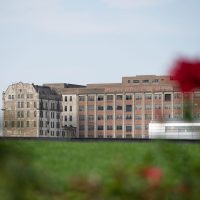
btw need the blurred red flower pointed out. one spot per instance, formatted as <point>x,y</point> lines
<point>153,175</point>
<point>187,74</point>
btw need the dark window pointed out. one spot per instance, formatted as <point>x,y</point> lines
<point>70,118</point>
<point>65,98</point>
<point>100,117</point>
<point>167,97</point>
<point>109,97</point>
<point>70,98</point>
<point>109,107</point>
<point>81,98</point>
<point>90,98</point>
<point>136,81</point>
<point>109,127</point>
<point>119,127</point>
<point>119,107</point>
<point>65,118</point>
<point>100,128</point>
<point>81,117</point>
<point>70,108</point>
<point>128,117</point>
<point>100,98</point>
<point>128,97</point>
<point>109,117</point>
<point>119,97</point>
<point>128,128</point>
<point>100,108</point>
<point>128,108</point>
<point>145,81</point>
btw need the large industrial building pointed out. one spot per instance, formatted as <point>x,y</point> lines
<point>112,110</point>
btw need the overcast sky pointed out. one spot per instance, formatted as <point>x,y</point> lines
<point>94,41</point>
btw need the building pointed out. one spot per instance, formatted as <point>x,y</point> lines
<point>110,110</point>
<point>31,110</point>
<point>174,130</point>
<point>1,123</point>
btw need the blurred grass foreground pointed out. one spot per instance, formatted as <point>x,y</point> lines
<point>32,170</point>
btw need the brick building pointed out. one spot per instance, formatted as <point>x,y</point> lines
<point>118,110</point>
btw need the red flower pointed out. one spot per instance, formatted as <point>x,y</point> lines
<point>153,175</point>
<point>187,74</point>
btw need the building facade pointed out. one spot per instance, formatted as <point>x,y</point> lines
<point>113,110</point>
<point>31,110</point>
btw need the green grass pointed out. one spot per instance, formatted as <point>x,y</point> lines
<point>61,161</point>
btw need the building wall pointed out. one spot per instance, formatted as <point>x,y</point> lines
<point>69,110</point>
<point>20,110</point>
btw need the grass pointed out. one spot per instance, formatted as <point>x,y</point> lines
<point>61,161</point>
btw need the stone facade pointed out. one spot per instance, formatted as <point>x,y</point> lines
<point>32,110</point>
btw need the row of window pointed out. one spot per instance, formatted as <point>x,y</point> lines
<point>20,124</point>
<point>144,81</point>
<point>128,108</point>
<point>25,104</point>
<point>110,117</point>
<point>20,96</point>
<point>167,97</point>
<point>68,109</point>
<point>67,98</point>
<point>128,128</point>
<point>52,124</point>
<point>68,118</point>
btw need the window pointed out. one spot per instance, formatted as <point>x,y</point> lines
<point>12,124</point>
<point>128,108</point>
<point>109,127</point>
<point>28,104</point>
<point>119,117</point>
<point>91,128</point>
<point>119,107</point>
<point>81,98</point>
<point>81,117</point>
<point>128,97</point>
<point>136,81</point>
<point>18,104</point>
<point>70,118</point>
<point>148,96</point>
<point>70,108</point>
<point>138,96</point>
<point>100,117</point>
<point>99,107</point>
<point>70,98</point>
<point>138,107</point>
<point>34,104</point>
<point>18,114</point>
<point>148,107</point>
<point>145,81</point>
<point>119,127</point>
<point>81,108</point>
<point>65,98</point>
<point>100,98</point>
<point>157,106</point>
<point>91,118</point>
<point>128,117</point>
<point>167,106</point>
<point>41,113</point>
<point>22,104</point>
<point>167,97</point>
<point>138,117</point>
<point>178,95</point>
<point>6,124</point>
<point>100,128</point>
<point>109,107</point>
<point>109,117</point>
<point>128,128</point>
<point>90,107</point>
<point>138,127</point>
<point>66,118</point>
<point>81,127</point>
<point>178,106</point>
<point>155,81</point>
<point>9,97</point>
<point>109,97</point>
<point>28,114</point>
<point>119,97</point>
<point>22,124</point>
<point>157,96</point>
<point>35,113</point>
<point>18,124</point>
<point>148,117</point>
<point>90,98</point>
<point>129,81</point>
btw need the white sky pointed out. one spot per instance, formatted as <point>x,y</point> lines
<point>94,41</point>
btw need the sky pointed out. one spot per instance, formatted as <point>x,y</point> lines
<point>94,41</point>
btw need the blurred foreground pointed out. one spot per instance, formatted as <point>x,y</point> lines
<point>63,170</point>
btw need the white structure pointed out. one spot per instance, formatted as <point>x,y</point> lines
<point>174,130</point>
